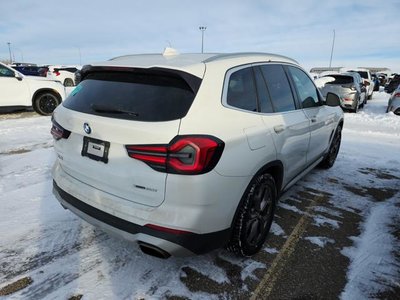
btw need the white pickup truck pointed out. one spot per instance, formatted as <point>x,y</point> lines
<point>18,91</point>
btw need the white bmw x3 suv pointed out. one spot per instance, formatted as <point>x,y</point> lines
<point>188,153</point>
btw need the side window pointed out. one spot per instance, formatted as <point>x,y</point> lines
<point>242,90</point>
<point>263,94</point>
<point>278,87</point>
<point>305,87</point>
<point>5,72</point>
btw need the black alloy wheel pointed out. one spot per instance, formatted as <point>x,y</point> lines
<point>330,158</point>
<point>45,103</point>
<point>254,217</point>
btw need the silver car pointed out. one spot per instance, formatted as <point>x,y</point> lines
<point>394,102</point>
<point>349,87</point>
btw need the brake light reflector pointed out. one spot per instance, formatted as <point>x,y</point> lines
<point>397,95</point>
<point>191,154</point>
<point>166,229</point>
<point>58,132</point>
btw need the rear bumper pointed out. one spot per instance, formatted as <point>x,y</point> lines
<point>349,101</point>
<point>183,244</point>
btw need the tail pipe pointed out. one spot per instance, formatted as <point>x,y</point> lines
<point>153,250</point>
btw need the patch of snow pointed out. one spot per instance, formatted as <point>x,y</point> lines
<point>322,221</point>
<point>271,250</point>
<point>372,262</point>
<point>320,241</point>
<point>328,211</point>
<point>276,229</point>
<point>290,207</point>
<point>320,82</point>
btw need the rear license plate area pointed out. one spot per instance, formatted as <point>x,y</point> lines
<point>95,149</point>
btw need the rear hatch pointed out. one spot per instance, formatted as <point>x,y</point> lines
<point>341,85</point>
<point>115,107</point>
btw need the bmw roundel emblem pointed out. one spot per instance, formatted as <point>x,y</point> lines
<point>87,128</point>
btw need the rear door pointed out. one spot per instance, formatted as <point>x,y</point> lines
<point>289,125</point>
<point>321,118</point>
<point>109,110</point>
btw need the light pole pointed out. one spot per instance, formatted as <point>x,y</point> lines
<point>9,50</point>
<point>202,29</point>
<point>333,44</point>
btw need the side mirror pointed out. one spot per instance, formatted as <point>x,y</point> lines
<point>366,83</point>
<point>332,99</point>
<point>18,76</point>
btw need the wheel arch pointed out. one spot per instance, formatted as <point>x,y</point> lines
<point>340,123</point>
<point>44,90</point>
<point>275,169</point>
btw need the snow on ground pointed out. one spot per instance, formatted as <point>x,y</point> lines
<point>320,241</point>
<point>369,160</point>
<point>372,263</point>
<point>66,256</point>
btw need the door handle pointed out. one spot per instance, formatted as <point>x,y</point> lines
<point>279,128</point>
<point>313,119</point>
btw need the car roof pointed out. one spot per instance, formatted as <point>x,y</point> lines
<point>192,62</point>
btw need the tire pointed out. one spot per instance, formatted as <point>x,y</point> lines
<point>68,82</point>
<point>370,96</point>
<point>330,157</point>
<point>45,103</point>
<point>254,217</point>
<point>355,110</point>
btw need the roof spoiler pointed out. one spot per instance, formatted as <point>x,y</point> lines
<point>192,81</point>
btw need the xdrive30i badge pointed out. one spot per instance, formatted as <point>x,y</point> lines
<point>87,128</point>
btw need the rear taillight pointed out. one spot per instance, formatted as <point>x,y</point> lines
<point>192,154</point>
<point>396,95</point>
<point>58,132</point>
<point>56,72</point>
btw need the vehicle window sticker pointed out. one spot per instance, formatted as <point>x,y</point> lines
<point>76,90</point>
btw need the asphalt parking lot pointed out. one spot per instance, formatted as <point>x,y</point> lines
<point>321,225</point>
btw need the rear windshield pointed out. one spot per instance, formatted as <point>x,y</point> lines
<point>132,96</point>
<point>340,79</point>
<point>363,74</point>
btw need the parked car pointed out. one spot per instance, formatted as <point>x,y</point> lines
<point>382,79</point>
<point>65,74</point>
<point>376,81</point>
<point>349,87</point>
<point>27,70</point>
<point>392,84</point>
<point>394,102</point>
<point>18,91</point>
<point>366,75</point>
<point>199,147</point>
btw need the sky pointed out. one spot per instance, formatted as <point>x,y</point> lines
<point>80,32</point>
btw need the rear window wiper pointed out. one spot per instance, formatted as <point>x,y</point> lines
<point>112,110</point>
